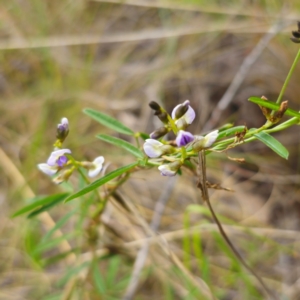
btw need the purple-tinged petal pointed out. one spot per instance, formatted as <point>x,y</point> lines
<point>186,117</point>
<point>49,170</point>
<point>166,171</point>
<point>61,161</point>
<point>170,169</point>
<point>64,125</point>
<point>183,138</point>
<point>189,116</point>
<point>153,148</point>
<point>54,156</point>
<point>97,166</point>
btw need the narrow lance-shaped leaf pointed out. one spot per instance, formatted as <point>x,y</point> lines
<point>122,144</point>
<point>272,143</point>
<point>46,207</point>
<point>108,121</point>
<point>101,181</point>
<point>98,279</point>
<point>53,243</point>
<point>40,202</point>
<point>273,106</point>
<point>58,225</point>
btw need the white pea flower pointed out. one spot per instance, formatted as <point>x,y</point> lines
<point>202,142</point>
<point>48,170</point>
<point>96,166</point>
<point>170,169</point>
<point>154,148</point>
<point>57,158</point>
<point>183,114</point>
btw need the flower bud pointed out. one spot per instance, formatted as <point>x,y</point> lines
<point>63,176</point>
<point>158,133</point>
<point>202,142</point>
<point>182,109</point>
<point>170,169</point>
<point>155,106</point>
<point>296,35</point>
<point>62,129</point>
<point>163,116</point>
<point>183,114</point>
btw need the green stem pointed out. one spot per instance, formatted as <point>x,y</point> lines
<point>183,152</point>
<point>288,77</point>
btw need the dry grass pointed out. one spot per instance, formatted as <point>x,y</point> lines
<point>58,57</point>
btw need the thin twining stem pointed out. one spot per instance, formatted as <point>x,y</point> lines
<point>202,186</point>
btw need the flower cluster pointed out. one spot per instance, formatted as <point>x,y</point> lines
<point>185,144</point>
<point>61,161</point>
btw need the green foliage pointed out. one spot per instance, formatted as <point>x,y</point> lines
<point>108,121</point>
<point>42,203</point>
<point>272,143</point>
<point>230,131</point>
<point>105,278</point>
<point>110,284</point>
<point>96,184</point>
<point>274,106</point>
<point>122,144</point>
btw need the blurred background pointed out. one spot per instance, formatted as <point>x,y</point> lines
<point>59,57</point>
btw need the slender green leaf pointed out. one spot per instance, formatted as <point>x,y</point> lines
<point>112,271</point>
<point>101,181</point>
<point>46,207</point>
<point>121,143</point>
<point>272,143</point>
<point>40,202</point>
<point>99,281</point>
<point>53,243</point>
<point>273,106</point>
<point>108,121</point>
<point>58,225</point>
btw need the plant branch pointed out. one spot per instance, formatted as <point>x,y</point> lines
<point>202,186</point>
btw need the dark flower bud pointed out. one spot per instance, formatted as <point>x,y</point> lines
<point>181,110</point>
<point>155,106</point>
<point>162,115</point>
<point>295,40</point>
<point>158,133</point>
<point>296,35</point>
